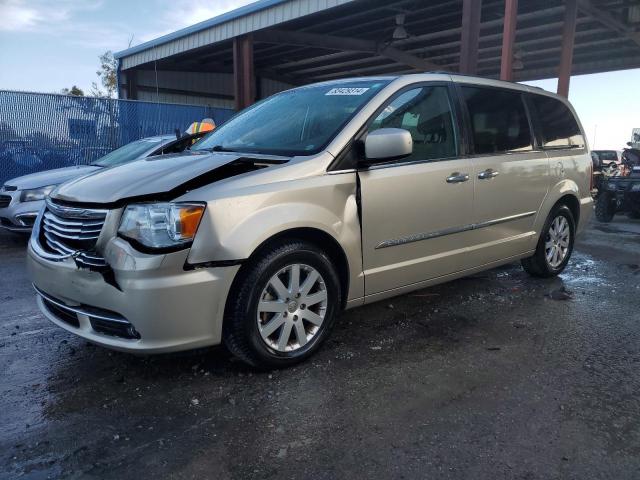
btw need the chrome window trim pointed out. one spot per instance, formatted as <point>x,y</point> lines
<point>418,237</point>
<point>395,163</point>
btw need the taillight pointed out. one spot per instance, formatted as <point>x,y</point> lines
<point>591,183</point>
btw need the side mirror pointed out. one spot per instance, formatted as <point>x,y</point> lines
<point>387,144</point>
<point>629,144</point>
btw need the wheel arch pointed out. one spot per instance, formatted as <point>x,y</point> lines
<point>572,202</point>
<point>321,239</point>
<point>565,191</point>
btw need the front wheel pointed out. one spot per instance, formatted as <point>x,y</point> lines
<point>282,305</point>
<point>554,246</point>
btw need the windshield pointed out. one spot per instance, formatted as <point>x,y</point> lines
<point>129,152</point>
<point>296,122</point>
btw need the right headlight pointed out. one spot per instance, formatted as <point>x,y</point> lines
<point>161,225</point>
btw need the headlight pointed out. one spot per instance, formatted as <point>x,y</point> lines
<point>36,193</point>
<point>161,225</point>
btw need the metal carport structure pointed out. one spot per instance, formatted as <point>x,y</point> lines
<point>271,45</point>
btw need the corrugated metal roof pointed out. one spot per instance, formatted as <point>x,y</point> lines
<point>252,17</point>
<point>212,22</point>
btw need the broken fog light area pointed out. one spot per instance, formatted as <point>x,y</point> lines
<point>114,329</point>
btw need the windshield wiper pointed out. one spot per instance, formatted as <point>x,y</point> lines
<point>218,148</point>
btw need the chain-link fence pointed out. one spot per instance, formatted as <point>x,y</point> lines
<point>44,131</point>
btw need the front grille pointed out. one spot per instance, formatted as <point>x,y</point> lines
<point>5,200</point>
<point>67,232</point>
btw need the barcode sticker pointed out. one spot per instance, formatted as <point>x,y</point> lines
<point>346,91</point>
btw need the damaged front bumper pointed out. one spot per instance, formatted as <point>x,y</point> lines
<point>137,303</point>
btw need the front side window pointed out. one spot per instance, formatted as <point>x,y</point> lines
<point>426,113</point>
<point>558,126</point>
<point>499,120</point>
<point>297,122</point>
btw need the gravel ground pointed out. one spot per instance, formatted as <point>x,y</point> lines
<point>494,376</point>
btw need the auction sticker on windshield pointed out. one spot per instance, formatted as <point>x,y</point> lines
<point>347,91</point>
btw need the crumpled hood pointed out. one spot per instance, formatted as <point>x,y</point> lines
<point>159,177</point>
<point>51,177</point>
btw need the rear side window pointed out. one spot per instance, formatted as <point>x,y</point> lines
<point>558,126</point>
<point>498,119</point>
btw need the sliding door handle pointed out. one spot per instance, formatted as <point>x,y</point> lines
<point>457,177</point>
<point>488,174</point>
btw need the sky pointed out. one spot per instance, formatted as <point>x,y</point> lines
<point>46,46</point>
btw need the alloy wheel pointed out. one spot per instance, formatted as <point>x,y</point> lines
<point>557,241</point>
<point>292,307</point>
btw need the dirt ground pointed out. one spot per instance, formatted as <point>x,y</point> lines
<point>495,376</point>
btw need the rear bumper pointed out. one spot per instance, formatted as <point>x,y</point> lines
<point>586,211</point>
<point>168,308</point>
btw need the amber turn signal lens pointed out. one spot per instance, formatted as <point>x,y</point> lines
<point>189,220</point>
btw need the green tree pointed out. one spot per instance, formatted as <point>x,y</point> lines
<point>108,76</point>
<point>75,91</point>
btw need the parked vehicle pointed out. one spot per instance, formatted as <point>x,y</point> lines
<point>609,158</point>
<point>620,192</point>
<point>22,198</point>
<point>317,199</point>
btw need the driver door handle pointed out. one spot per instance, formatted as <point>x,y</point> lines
<point>488,174</point>
<point>457,177</point>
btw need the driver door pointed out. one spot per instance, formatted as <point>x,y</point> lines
<point>416,212</point>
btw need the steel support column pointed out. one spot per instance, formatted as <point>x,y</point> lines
<point>508,39</point>
<point>568,39</point>
<point>470,37</point>
<point>243,71</point>
<point>132,84</point>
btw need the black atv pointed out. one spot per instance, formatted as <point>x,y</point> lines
<point>620,193</point>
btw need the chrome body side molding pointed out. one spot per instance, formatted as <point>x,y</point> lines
<point>418,237</point>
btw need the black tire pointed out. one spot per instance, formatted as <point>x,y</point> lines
<point>605,207</point>
<point>240,330</point>
<point>537,265</point>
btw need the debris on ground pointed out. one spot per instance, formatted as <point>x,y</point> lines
<point>560,294</point>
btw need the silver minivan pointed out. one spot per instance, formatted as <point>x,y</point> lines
<point>315,200</point>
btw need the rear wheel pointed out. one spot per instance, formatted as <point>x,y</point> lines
<point>554,246</point>
<point>605,207</point>
<point>282,306</point>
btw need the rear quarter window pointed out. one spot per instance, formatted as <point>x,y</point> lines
<point>557,124</point>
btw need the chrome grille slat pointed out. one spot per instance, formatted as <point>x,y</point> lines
<point>79,236</point>
<point>71,231</point>
<point>57,245</point>
<point>72,222</point>
<point>91,263</point>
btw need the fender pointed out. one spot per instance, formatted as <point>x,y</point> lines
<point>236,226</point>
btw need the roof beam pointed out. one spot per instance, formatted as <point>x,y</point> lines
<point>604,17</point>
<point>330,42</point>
